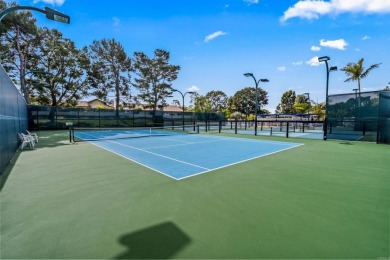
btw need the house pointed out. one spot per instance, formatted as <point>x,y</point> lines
<point>166,109</point>
<point>94,103</point>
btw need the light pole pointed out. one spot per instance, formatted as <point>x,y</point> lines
<point>334,68</point>
<point>257,99</point>
<point>183,95</point>
<point>50,13</point>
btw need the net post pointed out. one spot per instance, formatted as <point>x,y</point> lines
<point>287,129</point>
<point>194,124</point>
<point>206,126</point>
<point>235,127</point>
<point>271,131</point>
<point>219,126</point>
<point>261,126</point>
<point>197,129</point>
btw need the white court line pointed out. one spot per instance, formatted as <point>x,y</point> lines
<point>130,159</point>
<point>163,156</point>
<point>227,165</point>
<point>206,169</point>
<point>174,145</point>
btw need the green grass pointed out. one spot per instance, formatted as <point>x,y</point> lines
<point>320,200</point>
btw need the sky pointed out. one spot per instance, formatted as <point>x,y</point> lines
<point>216,41</point>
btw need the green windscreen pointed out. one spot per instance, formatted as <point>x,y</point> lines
<point>384,118</point>
<point>353,116</point>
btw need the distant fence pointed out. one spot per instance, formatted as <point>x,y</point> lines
<point>51,118</point>
<point>281,128</point>
<point>13,118</point>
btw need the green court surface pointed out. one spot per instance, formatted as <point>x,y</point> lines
<point>321,200</point>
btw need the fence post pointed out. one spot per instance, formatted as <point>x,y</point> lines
<point>287,130</point>
<point>99,115</point>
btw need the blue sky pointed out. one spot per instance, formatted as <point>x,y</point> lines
<point>216,41</point>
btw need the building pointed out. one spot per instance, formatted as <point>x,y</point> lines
<point>94,103</point>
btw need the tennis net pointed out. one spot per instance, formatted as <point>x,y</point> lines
<point>95,134</point>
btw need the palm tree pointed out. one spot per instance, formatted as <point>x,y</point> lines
<point>355,71</point>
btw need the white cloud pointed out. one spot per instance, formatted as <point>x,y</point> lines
<point>315,48</point>
<point>313,61</point>
<point>116,21</point>
<point>282,68</point>
<point>313,9</point>
<point>336,44</point>
<point>213,36</point>
<point>52,2</point>
<point>251,1</point>
<point>366,38</point>
<point>357,49</point>
<point>297,63</point>
<point>193,88</point>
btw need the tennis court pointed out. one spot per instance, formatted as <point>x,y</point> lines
<point>320,200</point>
<point>179,155</point>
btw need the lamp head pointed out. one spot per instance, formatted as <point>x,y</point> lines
<point>191,92</point>
<point>248,74</point>
<point>323,58</point>
<point>333,68</point>
<point>56,16</point>
<point>174,90</point>
<point>264,80</point>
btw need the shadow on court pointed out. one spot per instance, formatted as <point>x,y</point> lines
<point>161,241</point>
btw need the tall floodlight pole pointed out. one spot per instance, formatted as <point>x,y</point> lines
<point>257,95</point>
<point>334,68</point>
<point>183,95</point>
<point>50,13</point>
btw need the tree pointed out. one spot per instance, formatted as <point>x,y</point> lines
<point>301,104</point>
<point>18,37</point>
<point>244,100</point>
<point>154,76</point>
<point>356,72</point>
<point>218,100</point>
<point>202,104</point>
<point>110,70</point>
<point>319,109</point>
<point>68,67</point>
<point>286,105</point>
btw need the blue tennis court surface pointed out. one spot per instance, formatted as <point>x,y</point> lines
<point>183,156</point>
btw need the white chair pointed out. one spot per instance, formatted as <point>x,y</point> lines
<point>33,135</point>
<point>26,141</point>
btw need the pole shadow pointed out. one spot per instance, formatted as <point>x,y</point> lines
<point>161,241</point>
